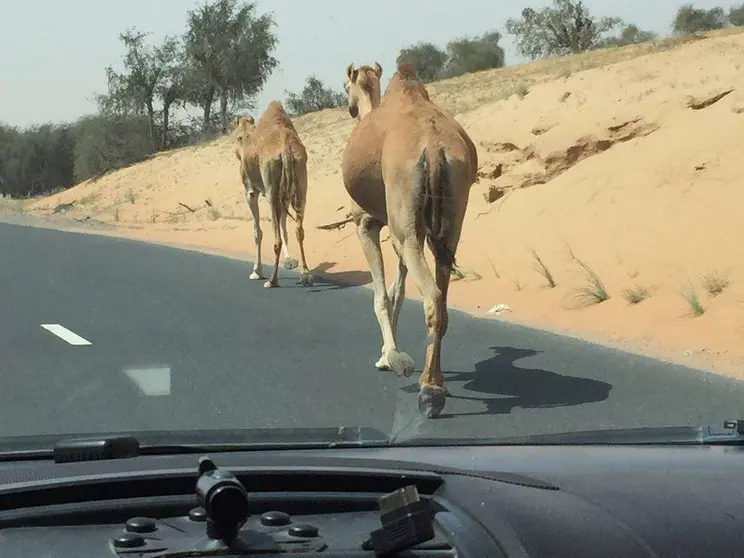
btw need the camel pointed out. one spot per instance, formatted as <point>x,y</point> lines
<point>273,163</point>
<point>408,166</point>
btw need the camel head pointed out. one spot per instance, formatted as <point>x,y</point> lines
<point>362,86</point>
<point>243,128</point>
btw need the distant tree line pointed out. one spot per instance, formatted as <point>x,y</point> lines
<point>565,27</point>
<point>222,62</point>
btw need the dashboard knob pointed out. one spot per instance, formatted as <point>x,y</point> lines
<point>303,530</point>
<point>141,525</point>
<point>275,518</point>
<point>198,514</point>
<point>129,540</point>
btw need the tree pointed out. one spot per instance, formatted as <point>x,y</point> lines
<point>147,71</point>
<point>566,27</point>
<point>109,141</point>
<point>229,56</point>
<point>427,59</point>
<point>314,96</point>
<point>691,20</point>
<point>736,15</point>
<point>35,161</point>
<point>10,141</point>
<point>630,35</point>
<point>474,55</point>
<point>171,89</point>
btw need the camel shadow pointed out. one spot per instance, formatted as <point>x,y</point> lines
<point>526,388</point>
<point>326,280</point>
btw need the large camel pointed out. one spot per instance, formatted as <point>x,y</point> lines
<point>273,163</point>
<point>409,166</point>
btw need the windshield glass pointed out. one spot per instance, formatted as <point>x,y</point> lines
<point>436,220</point>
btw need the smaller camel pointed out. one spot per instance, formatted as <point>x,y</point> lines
<point>409,166</point>
<point>273,163</point>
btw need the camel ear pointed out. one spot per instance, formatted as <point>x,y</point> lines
<point>350,70</point>
<point>236,122</point>
<point>378,70</point>
<point>250,120</point>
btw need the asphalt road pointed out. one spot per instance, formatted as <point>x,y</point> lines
<point>183,340</point>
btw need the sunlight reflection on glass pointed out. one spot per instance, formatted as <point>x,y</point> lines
<point>151,380</point>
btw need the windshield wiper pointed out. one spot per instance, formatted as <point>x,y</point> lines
<point>94,447</point>
<point>652,436</point>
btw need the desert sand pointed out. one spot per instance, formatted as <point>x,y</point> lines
<point>623,160</point>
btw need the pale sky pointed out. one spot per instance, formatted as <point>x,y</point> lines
<point>53,53</point>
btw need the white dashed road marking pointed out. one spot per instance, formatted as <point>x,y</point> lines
<point>65,334</point>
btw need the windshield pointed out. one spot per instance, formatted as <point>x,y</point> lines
<point>452,221</point>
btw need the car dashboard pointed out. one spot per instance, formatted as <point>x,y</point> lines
<point>482,501</point>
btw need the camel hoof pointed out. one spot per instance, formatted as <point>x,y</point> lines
<point>307,279</point>
<point>290,263</point>
<point>255,276</point>
<point>431,400</point>
<point>400,363</point>
<point>382,364</point>
<point>270,284</point>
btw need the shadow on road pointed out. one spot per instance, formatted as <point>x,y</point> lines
<point>528,388</point>
<point>326,280</point>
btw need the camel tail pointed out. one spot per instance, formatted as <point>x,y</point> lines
<point>435,213</point>
<point>289,192</point>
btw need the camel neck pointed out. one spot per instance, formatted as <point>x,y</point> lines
<point>366,106</point>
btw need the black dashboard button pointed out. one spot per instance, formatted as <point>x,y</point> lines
<point>198,514</point>
<point>303,530</point>
<point>129,540</point>
<point>274,518</point>
<point>141,525</point>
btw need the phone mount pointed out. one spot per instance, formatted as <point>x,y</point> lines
<point>224,499</point>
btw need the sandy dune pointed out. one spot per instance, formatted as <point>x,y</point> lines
<point>624,160</point>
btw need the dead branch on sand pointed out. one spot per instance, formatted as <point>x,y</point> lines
<point>336,226</point>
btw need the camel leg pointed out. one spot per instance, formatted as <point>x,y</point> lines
<point>443,275</point>
<point>306,278</point>
<point>275,223</point>
<point>368,231</point>
<point>252,198</point>
<point>289,261</point>
<point>397,291</point>
<point>267,176</point>
<point>433,392</point>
